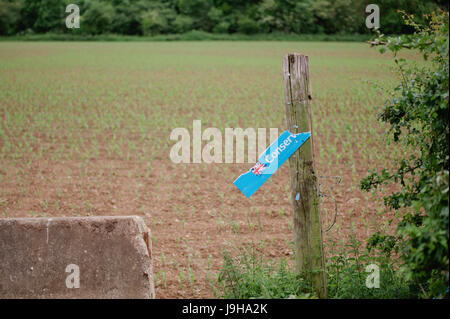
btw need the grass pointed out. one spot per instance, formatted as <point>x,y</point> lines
<point>252,275</point>
<point>189,36</point>
<point>84,130</point>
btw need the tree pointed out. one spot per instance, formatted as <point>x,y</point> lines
<point>50,16</point>
<point>98,17</point>
<point>198,11</point>
<point>153,22</point>
<point>9,16</point>
<point>247,25</point>
<point>126,18</point>
<point>183,24</point>
<point>177,16</point>
<point>391,19</point>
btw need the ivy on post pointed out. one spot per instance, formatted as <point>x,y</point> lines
<point>304,188</point>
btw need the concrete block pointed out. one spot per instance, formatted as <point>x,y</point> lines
<point>75,257</point>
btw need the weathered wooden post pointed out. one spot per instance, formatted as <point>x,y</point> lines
<point>304,189</point>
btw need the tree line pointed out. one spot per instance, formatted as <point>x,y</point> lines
<point>153,17</point>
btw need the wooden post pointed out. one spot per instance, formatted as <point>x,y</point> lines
<point>304,189</point>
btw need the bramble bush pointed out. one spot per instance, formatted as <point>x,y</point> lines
<point>418,115</point>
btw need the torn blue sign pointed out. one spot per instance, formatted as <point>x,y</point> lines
<point>270,161</point>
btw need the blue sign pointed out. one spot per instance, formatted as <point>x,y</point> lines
<point>270,161</point>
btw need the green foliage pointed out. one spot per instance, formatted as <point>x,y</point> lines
<point>9,16</point>
<point>182,24</point>
<point>247,25</point>
<point>98,17</point>
<point>153,22</point>
<point>127,17</point>
<point>133,17</point>
<point>49,16</point>
<point>418,115</point>
<point>254,276</point>
<point>198,11</point>
<point>347,270</point>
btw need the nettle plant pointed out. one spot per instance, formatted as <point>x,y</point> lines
<point>418,115</point>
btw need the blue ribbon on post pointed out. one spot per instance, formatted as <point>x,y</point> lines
<point>270,161</point>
